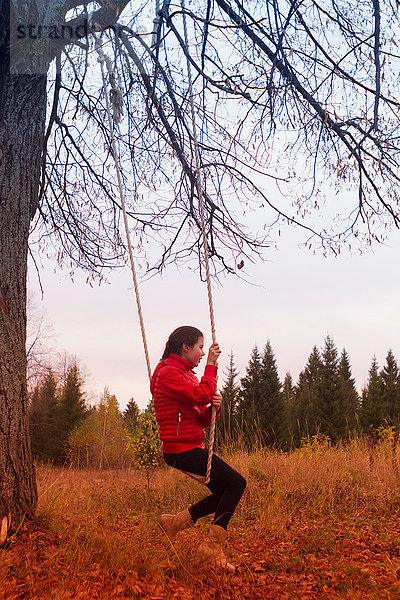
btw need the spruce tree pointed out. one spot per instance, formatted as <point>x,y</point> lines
<point>391,400</point>
<point>250,395</point>
<point>44,421</point>
<point>307,396</point>
<point>348,399</point>
<point>229,392</point>
<point>261,409</point>
<point>271,409</point>
<point>327,415</point>
<point>288,389</point>
<point>131,415</point>
<point>71,407</point>
<point>289,403</point>
<point>372,405</point>
<point>325,398</point>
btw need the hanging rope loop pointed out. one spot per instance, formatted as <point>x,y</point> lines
<point>113,120</point>
<point>199,186</point>
<point>115,100</point>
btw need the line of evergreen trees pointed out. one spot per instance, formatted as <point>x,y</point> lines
<point>57,406</point>
<point>256,408</point>
<point>64,428</point>
<point>262,408</point>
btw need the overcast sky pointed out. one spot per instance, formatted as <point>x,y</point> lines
<point>296,298</point>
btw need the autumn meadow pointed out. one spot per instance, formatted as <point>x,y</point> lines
<point>319,522</point>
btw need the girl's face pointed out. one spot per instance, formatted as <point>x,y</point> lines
<point>193,354</point>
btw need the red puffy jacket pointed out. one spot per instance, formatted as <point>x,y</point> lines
<point>182,403</point>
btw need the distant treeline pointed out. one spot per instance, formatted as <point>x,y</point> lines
<point>257,408</point>
<point>64,429</point>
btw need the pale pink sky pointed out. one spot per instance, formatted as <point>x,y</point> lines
<point>298,298</point>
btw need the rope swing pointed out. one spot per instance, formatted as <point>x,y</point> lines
<point>113,119</point>
<point>199,185</point>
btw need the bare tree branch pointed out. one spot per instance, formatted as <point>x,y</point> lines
<point>377,31</point>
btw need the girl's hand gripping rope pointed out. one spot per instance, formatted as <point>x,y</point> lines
<point>217,401</point>
<point>213,354</point>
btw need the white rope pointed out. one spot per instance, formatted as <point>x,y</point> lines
<point>105,60</point>
<point>199,185</point>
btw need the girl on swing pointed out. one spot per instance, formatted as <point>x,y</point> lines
<point>183,407</point>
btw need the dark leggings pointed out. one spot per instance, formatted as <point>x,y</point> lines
<point>226,485</point>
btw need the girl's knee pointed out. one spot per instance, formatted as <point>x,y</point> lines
<point>242,484</point>
<point>239,484</point>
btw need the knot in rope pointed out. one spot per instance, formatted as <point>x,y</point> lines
<point>116,95</point>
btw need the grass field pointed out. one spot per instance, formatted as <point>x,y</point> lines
<point>316,523</point>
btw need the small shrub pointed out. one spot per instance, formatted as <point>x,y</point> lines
<point>144,444</point>
<point>317,444</point>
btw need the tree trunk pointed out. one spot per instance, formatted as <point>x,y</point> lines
<point>22,124</point>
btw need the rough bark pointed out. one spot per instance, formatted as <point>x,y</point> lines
<point>22,145</point>
<point>22,124</point>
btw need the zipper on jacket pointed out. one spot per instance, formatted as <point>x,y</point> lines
<point>177,427</point>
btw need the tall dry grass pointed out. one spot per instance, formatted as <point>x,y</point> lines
<point>319,522</point>
<point>111,516</point>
